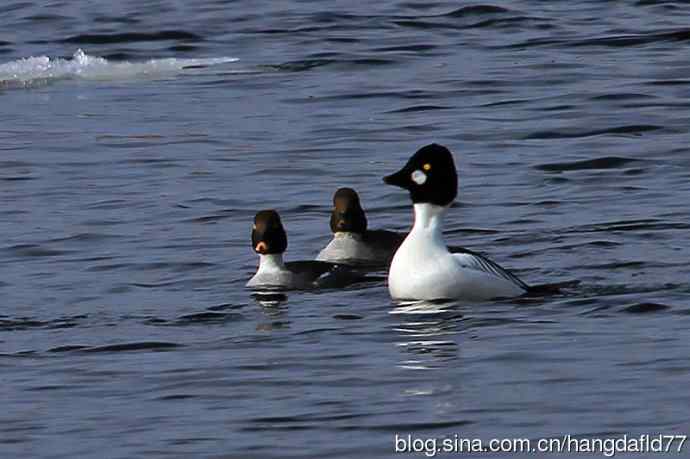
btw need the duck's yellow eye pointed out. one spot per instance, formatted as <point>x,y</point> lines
<point>426,167</point>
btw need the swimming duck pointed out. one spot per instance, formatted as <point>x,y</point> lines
<point>269,240</point>
<point>352,242</point>
<point>423,268</point>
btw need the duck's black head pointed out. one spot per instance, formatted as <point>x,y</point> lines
<point>347,214</point>
<point>268,235</point>
<point>429,176</point>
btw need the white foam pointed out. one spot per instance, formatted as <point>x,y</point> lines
<point>82,66</point>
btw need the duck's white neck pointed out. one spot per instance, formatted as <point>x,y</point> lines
<point>347,235</point>
<point>271,262</point>
<point>428,218</point>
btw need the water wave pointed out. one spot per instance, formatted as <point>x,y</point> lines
<point>43,69</point>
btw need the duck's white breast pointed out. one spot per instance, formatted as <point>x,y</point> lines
<point>345,246</point>
<point>283,279</point>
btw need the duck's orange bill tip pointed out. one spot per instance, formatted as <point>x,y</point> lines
<point>261,247</point>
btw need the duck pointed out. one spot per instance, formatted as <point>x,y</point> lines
<point>269,241</point>
<point>353,242</point>
<point>423,268</point>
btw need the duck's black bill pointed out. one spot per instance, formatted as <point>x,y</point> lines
<point>400,178</point>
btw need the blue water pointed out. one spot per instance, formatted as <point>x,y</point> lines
<point>138,139</point>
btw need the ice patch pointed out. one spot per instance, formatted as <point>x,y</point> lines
<point>43,69</point>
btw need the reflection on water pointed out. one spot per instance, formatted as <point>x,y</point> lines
<point>427,330</point>
<point>270,301</point>
<point>274,306</point>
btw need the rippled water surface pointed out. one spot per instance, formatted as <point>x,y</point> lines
<point>138,139</point>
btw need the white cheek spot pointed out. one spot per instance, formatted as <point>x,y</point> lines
<point>418,177</point>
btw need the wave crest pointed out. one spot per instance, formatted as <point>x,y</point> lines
<point>43,69</point>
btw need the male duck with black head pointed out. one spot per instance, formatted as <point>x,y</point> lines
<point>423,268</point>
<point>269,240</point>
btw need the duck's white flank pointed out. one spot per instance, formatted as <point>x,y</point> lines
<point>424,269</point>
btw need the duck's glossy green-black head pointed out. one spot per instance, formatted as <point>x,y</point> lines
<point>347,214</point>
<point>268,234</point>
<point>429,176</point>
